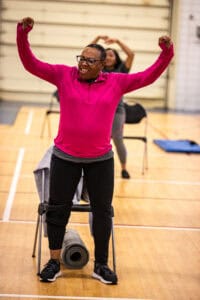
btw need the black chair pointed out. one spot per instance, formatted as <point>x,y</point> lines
<point>135,113</point>
<point>42,209</point>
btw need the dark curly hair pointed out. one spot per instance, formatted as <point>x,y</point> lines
<point>100,48</point>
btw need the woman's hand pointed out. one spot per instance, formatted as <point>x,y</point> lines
<point>109,41</point>
<point>27,22</point>
<point>165,40</point>
<point>99,37</point>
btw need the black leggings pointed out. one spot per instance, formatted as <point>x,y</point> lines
<point>64,178</point>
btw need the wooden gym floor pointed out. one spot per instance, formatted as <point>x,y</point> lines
<point>157,216</point>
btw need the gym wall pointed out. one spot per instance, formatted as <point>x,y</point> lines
<point>62,28</point>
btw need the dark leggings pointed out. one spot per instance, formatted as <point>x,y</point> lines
<point>64,178</point>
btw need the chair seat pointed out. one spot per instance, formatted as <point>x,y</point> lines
<point>81,207</point>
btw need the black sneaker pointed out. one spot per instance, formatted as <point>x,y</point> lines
<point>104,274</point>
<point>125,174</point>
<point>51,271</point>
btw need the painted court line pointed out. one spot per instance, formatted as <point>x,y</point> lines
<point>65,297</point>
<point>170,182</point>
<point>175,182</point>
<point>11,195</point>
<point>29,122</point>
<point>172,228</point>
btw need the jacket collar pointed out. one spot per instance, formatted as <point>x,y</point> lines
<point>102,77</point>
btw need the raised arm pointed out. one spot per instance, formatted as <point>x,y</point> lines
<point>108,41</point>
<point>130,82</point>
<point>129,53</point>
<point>30,62</point>
<point>98,38</point>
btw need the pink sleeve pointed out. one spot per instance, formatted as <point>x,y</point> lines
<point>134,81</point>
<point>48,72</point>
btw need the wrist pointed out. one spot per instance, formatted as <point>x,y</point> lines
<point>97,39</point>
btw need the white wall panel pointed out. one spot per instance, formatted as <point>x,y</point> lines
<point>62,28</point>
<point>187,89</point>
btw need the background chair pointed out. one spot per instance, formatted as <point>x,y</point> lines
<point>52,109</point>
<point>135,113</point>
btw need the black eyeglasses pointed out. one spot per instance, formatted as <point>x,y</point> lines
<point>89,61</point>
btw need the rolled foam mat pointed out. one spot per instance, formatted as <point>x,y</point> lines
<point>74,253</point>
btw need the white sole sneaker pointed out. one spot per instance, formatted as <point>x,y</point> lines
<point>96,276</point>
<point>52,279</point>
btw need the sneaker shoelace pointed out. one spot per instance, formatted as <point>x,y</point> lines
<point>50,266</point>
<point>106,269</point>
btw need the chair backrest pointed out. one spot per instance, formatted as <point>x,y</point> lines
<point>134,113</point>
<point>55,94</point>
<point>52,103</point>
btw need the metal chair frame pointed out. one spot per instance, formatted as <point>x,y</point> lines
<point>42,209</point>
<point>49,111</point>
<point>142,138</point>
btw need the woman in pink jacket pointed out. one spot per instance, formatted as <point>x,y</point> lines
<point>88,101</point>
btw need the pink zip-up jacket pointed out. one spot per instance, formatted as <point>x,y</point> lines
<point>87,109</point>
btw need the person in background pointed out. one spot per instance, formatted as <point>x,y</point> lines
<point>114,63</point>
<point>88,101</point>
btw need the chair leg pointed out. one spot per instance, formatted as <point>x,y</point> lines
<point>46,116</point>
<point>145,159</point>
<point>36,236</point>
<point>42,208</point>
<point>38,230</point>
<point>39,238</point>
<point>49,126</point>
<point>46,119</point>
<point>39,246</point>
<point>43,127</point>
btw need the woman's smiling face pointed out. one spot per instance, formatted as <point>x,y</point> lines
<point>110,59</point>
<point>90,63</point>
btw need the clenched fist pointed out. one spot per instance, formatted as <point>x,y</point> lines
<point>27,22</point>
<point>166,40</point>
